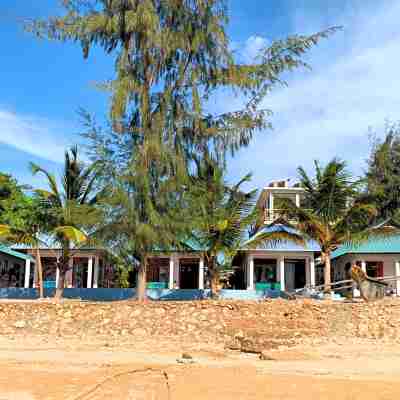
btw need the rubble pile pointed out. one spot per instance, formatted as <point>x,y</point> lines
<point>245,326</point>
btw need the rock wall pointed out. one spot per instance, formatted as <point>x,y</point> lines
<point>249,326</point>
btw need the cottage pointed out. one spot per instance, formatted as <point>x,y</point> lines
<point>15,268</point>
<point>89,268</point>
<point>377,258</point>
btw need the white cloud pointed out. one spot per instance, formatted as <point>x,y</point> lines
<point>324,113</point>
<point>252,47</point>
<point>34,135</point>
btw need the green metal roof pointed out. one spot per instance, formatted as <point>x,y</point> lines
<point>377,246</point>
<point>6,250</point>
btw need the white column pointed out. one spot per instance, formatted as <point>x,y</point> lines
<point>271,206</point>
<point>298,199</point>
<point>201,273</point>
<point>364,266</point>
<point>282,272</point>
<point>312,271</point>
<point>397,272</point>
<point>57,276</point>
<point>171,273</point>
<point>27,272</point>
<point>96,272</point>
<point>250,279</point>
<point>90,272</point>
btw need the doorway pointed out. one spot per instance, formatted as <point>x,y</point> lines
<point>295,274</point>
<point>189,273</point>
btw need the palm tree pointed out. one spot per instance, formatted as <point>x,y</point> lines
<point>332,213</point>
<point>221,215</point>
<point>71,210</point>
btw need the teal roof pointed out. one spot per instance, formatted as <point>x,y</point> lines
<point>377,246</point>
<point>287,245</point>
<point>6,250</point>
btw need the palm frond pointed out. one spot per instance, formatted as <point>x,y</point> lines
<point>71,233</point>
<point>51,180</point>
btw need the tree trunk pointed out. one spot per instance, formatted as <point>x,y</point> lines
<point>214,277</point>
<point>141,281</point>
<point>61,284</point>
<point>327,273</point>
<point>39,272</point>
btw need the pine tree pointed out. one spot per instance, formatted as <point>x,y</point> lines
<point>171,57</point>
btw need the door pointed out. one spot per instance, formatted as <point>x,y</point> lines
<point>189,274</point>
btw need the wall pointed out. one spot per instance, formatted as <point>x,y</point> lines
<point>103,294</point>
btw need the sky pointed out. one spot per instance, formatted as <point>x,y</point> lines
<point>322,113</point>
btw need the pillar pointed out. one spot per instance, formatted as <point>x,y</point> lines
<point>27,272</point>
<point>250,278</point>
<point>297,199</point>
<point>397,272</point>
<point>201,274</point>
<point>90,273</point>
<point>282,272</point>
<point>364,266</point>
<point>57,276</point>
<point>96,272</point>
<point>312,271</point>
<point>271,206</point>
<point>171,273</point>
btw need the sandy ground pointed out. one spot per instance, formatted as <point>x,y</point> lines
<point>33,368</point>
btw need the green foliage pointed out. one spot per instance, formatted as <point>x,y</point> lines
<point>17,208</point>
<point>383,175</point>
<point>220,214</point>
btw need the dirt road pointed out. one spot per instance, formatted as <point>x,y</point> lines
<point>43,368</point>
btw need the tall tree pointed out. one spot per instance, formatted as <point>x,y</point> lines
<point>70,209</point>
<point>171,58</point>
<point>332,213</point>
<point>17,208</point>
<point>383,175</point>
<point>21,219</point>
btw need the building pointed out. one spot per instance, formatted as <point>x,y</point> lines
<point>15,268</point>
<point>89,268</point>
<point>286,266</point>
<point>378,258</point>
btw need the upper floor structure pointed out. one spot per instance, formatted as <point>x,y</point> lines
<point>268,201</point>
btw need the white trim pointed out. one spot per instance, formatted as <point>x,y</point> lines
<point>250,281</point>
<point>312,271</point>
<point>27,273</point>
<point>282,272</point>
<point>90,273</point>
<point>96,272</point>
<point>364,266</point>
<point>171,273</point>
<point>201,274</point>
<point>57,276</point>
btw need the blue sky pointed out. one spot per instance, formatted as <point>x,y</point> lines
<point>324,112</point>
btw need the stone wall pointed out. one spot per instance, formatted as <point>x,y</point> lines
<point>249,326</point>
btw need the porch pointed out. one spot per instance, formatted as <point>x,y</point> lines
<point>266,270</point>
<point>176,271</point>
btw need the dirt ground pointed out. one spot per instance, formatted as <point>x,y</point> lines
<point>79,351</point>
<point>69,369</point>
